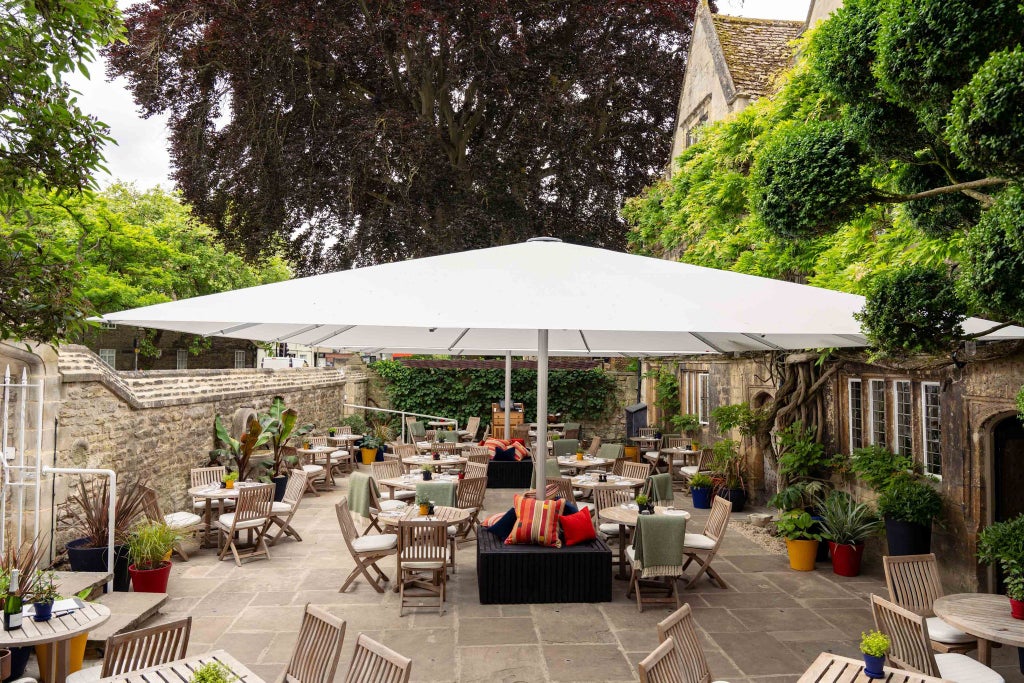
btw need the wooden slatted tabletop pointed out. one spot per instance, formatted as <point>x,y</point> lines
<point>984,615</point>
<point>830,668</point>
<point>181,670</point>
<point>64,627</point>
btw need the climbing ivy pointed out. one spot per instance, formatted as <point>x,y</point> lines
<point>580,395</point>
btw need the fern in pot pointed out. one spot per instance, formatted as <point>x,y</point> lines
<point>846,525</point>
<point>149,544</point>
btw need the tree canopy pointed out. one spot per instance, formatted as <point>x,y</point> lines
<point>888,164</point>
<point>117,249</point>
<point>356,132</point>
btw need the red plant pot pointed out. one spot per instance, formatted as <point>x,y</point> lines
<point>1017,609</point>
<point>150,580</point>
<point>846,559</point>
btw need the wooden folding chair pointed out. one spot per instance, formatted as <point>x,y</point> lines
<point>663,665</point>
<point>469,496</point>
<point>444,447</point>
<point>604,498</point>
<point>206,476</point>
<point>252,514</point>
<point>472,427</point>
<point>317,649</point>
<point>679,626</point>
<point>185,523</point>
<point>595,444</point>
<point>366,551</point>
<point>703,466</point>
<point>281,513</point>
<point>521,431</point>
<point>377,505</point>
<point>475,469</point>
<point>422,563</point>
<point>667,574</point>
<point>140,649</point>
<point>702,548</point>
<point>911,647</point>
<point>390,469</point>
<point>375,663</point>
<point>636,470</point>
<point>477,454</point>
<point>914,584</point>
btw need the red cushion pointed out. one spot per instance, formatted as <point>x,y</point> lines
<point>536,522</point>
<point>578,527</point>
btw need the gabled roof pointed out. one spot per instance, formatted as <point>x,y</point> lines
<point>755,50</point>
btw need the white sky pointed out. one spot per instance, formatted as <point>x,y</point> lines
<point>141,155</point>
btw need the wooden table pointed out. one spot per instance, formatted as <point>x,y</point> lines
<point>442,513</point>
<point>181,670</point>
<point>626,517</point>
<point>830,668</point>
<point>214,493</point>
<point>584,464</point>
<point>589,481</point>
<point>643,441</point>
<point>984,615</point>
<point>59,631</point>
<point>671,454</point>
<point>408,482</point>
<point>445,460</point>
<point>342,440</point>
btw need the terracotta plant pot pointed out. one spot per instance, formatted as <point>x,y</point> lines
<point>151,580</point>
<point>846,559</point>
<point>802,554</point>
<point>5,664</point>
<point>1017,608</point>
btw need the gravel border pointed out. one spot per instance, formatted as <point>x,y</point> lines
<point>761,536</point>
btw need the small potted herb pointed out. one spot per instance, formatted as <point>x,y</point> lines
<point>428,472</point>
<point>148,544</point>
<point>796,526</point>
<point>875,646</point>
<point>331,431</point>
<point>229,479</point>
<point>700,490</point>
<point>44,593</point>
<point>424,503</point>
<point>1002,543</point>
<point>213,672</point>
<point>643,503</point>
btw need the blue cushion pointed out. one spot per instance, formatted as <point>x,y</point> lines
<point>505,454</point>
<point>503,527</point>
<point>569,508</point>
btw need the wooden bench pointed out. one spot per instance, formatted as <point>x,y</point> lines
<point>517,574</point>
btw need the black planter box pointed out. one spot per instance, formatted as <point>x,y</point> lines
<point>512,474</point>
<point>517,574</point>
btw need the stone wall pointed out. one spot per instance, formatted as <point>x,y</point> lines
<point>215,352</point>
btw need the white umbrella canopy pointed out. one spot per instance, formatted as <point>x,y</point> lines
<point>593,302</point>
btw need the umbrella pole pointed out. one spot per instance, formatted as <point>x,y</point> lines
<point>542,414</point>
<point>508,394</point>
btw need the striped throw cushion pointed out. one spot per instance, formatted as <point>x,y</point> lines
<point>536,522</point>
<point>492,519</point>
<point>493,444</point>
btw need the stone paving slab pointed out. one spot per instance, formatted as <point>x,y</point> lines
<point>766,628</point>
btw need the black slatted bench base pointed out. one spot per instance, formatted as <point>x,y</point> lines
<point>515,574</point>
<point>513,474</point>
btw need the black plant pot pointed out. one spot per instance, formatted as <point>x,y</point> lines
<point>19,660</point>
<point>84,559</point>
<point>280,484</point>
<point>822,555</point>
<point>380,454</point>
<point>738,498</point>
<point>907,538</point>
<point>427,476</point>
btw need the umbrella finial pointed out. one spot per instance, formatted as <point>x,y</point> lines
<point>543,239</point>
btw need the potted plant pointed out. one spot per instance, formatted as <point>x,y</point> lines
<point>700,490</point>
<point>148,545</point>
<point>424,504</point>
<point>1002,543</point>
<point>280,426</point>
<point>373,443</point>
<point>238,450</point>
<point>213,672</point>
<point>44,593</point>
<point>874,645</point>
<point>643,504</point>
<point>690,425</point>
<point>909,505</point>
<point>331,431</point>
<point>796,526</point>
<point>85,514</point>
<point>229,479</point>
<point>846,524</point>
<point>428,472</point>
<point>730,471</point>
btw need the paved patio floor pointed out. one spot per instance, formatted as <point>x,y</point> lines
<point>768,626</point>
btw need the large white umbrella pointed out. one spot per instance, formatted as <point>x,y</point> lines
<point>534,298</point>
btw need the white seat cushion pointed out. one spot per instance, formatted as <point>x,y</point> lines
<point>688,470</point>
<point>609,529</point>
<point>944,633</point>
<point>963,669</point>
<point>375,542</point>
<point>90,674</point>
<point>453,530</point>
<point>631,554</point>
<point>577,493</point>
<point>652,454</point>
<point>405,495</point>
<point>699,541</point>
<point>280,508</point>
<point>226,519</point>
<point>200,503</point>
<point>313,470</point>
<point>392,505</point>
<point>589,506</point>
<point>182,520</point>
<point>422,565</point>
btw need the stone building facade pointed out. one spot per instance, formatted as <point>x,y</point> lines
<point>116,344</point>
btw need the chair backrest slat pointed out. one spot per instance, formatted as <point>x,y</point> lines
<point>375,663</point>
<point>296,487</point>
<point>473,426</point>
<point>636,470</point>
<point>604,498</point>
<point>388,469</point>
<point>647,432</point>
<point>316,440</point>
<point>913,582</point>
<point>204,476</point>
<point>563,488</point>
<point>663,665</point>
<point>146,647</point>
<point>404,450</point>
<point>254,502</point>
<point>470,492</point>
<point>680,627</point>
<point>910,646</point>
<point>318,647</point>
<point>476,469</point>
<point>595,444</point>
<point>675,442</point>
<point>422,541</point>
<point>151,504</point>
<point>444,447</point>
<point>347,524</point>
<point>718,520</point>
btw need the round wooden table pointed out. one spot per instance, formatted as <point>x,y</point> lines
<point>589,481</point>
<point>213,493</point>
<point>626,517</point>
<point>442,513</point>
<point>984,615</point>
<point>446,460</point>
<point>584,464</point>
<point>59,631</point>
<point>407,482</point>
<point>342,440</point>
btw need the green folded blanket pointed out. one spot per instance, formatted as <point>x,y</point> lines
<point>439,492</point>
<point>359,493</point>
<point>658,543</point>
<point>660,487</point>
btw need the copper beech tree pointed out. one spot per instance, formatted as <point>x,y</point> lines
<point>361,131</point>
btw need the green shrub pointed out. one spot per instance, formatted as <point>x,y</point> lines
<point>149,542</point>
<point>801,456</point>
<point>1002,543</point>
<point>985,121</point>
<point>874,643</point>
<point>910,500</point>
<point>213,672</point>
<point>878,466</point>
<point>737,416</point>
<point>797,525</point>
<point>994,256</point>
<point>700,481</point>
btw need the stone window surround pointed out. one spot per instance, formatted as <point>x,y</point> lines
<point>694,394</point>
<point>697,116</point>
<point>108,356</point>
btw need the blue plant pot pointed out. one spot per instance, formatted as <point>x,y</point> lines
<point>701,498</point>
<point>873,666</point>
<point>43,610</point>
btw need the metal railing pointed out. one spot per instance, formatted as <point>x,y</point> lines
<point>404,413</point>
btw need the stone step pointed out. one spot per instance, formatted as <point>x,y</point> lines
<point>128,611</point>
<point>71,584</point>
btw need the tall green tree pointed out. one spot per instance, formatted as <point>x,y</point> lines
<point>370,131</point>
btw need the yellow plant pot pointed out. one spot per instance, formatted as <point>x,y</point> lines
<point>802,554</point>
<point>76,656</point>
<point>424,510</point>
<point>229,484</point>
<point>369,455</point>
<point>579,455</point>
